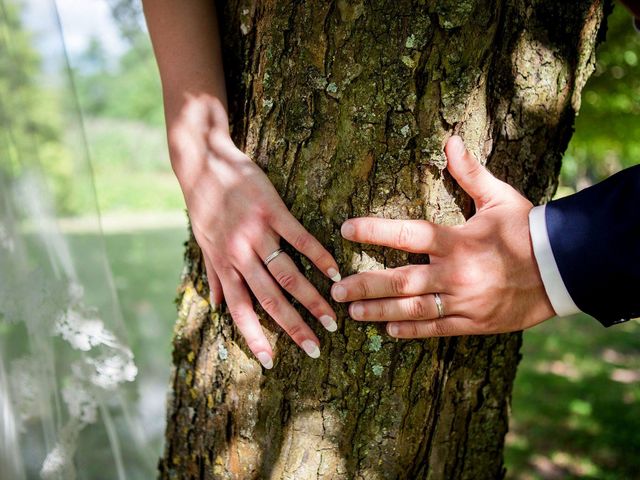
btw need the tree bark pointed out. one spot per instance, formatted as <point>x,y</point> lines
<point>347,106</point>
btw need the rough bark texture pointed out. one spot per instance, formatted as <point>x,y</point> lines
<point>347,106</point>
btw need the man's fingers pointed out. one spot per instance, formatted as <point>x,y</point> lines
<point>443,327</point>
<point>278,307</point>
<point>241,310</point>
<point>421,307</point>
<point>472,176</point>
<point>404,281</point>
<point>286,273</point>
<point>417,236</point>
<point>299,238</point>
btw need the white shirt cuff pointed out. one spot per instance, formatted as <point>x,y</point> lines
<point>556,290</point>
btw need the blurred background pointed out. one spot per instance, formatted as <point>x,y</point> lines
<point>576,403</point>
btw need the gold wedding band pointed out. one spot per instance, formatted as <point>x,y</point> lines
<point>272,256</point>
<point>439,306</point>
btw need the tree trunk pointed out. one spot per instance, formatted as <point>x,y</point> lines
<point>347,106</point>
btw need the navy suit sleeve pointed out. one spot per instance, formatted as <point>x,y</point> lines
<point>595,239</point>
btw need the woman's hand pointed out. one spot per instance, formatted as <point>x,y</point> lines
<point>484,271</point>
<point>236,215</point>
<point>238,219</point>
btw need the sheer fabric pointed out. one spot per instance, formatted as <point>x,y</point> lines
<point>66,370</point>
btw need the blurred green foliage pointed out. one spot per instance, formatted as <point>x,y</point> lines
<point>31,116</point>
<point>122,105</point>
<point>607,130</point>
<point>129,90</point>
<point>120,99</point>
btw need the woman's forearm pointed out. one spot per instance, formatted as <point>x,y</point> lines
<point>186,43</point>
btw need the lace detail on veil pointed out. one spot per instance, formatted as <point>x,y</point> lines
<point>80,326</point>
<point>23,377</point>
<point>59,461</point>
<point>80,370</point>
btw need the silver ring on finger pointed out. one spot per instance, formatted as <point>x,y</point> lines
<point>272,256</point>
<point>439,305</point>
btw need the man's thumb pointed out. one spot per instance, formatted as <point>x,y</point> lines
<point>473,177</point>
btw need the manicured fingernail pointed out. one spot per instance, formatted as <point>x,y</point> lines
<point>347,230</point>
<point>357,310</point>
<point>311,348</point>
<point>334,274</point>
<point>265,360</point>
<point>328,323</point>
<point>393,329</point>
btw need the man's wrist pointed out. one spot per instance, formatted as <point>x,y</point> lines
<point>554,286</point>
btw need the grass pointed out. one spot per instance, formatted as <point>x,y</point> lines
<point>576,402</point>
<point>132,168</point>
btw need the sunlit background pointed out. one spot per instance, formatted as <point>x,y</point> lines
<point>576,405</point>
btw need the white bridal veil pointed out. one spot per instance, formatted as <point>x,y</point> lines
<point>66,370</point>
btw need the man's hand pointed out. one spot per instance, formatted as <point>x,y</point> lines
<point>484,271</point>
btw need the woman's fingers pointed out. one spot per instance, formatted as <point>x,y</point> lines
<point>397,282</point>
<point>417,236</point>
<point>241,310</point>
<point>299,238</point>
<point>276,305</point>
<point>421,307</point>
<point>443,327</point>
<point>285,272</point>
<point>215,287</point>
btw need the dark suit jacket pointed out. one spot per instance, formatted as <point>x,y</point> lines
<point>595,239</point>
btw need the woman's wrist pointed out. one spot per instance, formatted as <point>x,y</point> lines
<point>193,122</point>
<point>195,109</point>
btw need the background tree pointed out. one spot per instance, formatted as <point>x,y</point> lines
<point>347,107</point>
